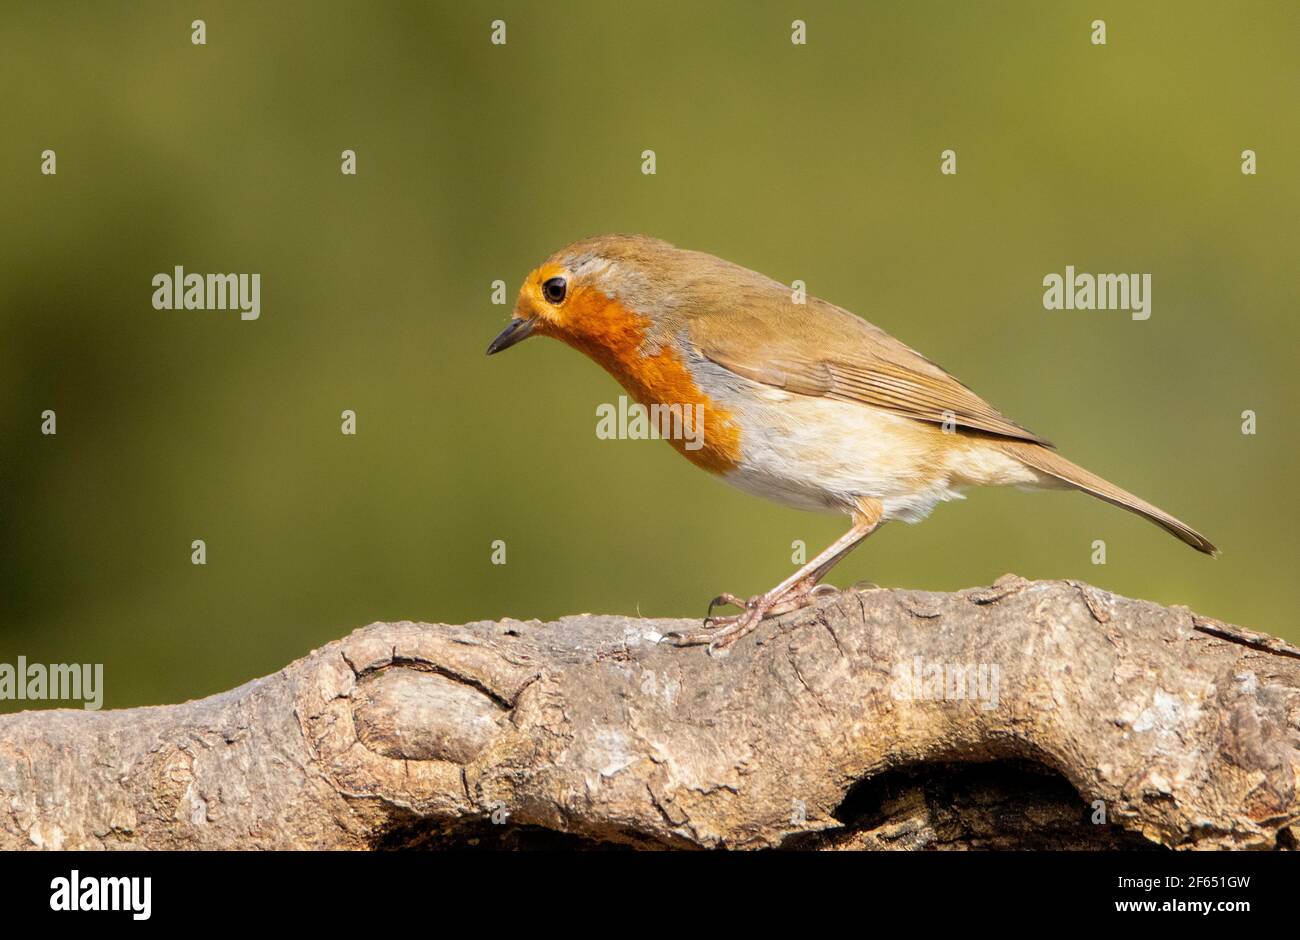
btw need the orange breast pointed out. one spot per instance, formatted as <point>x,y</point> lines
<point>613,336</point>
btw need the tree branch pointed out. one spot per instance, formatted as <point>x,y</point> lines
<point>1023,714</point>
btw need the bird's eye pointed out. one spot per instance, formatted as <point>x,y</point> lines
<point>553,290</point>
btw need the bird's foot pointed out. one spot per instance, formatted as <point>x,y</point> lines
<point>719,633</point>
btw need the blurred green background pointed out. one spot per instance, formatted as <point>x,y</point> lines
<point>817,162</point>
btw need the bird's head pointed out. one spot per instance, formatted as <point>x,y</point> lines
<point>599,294</point>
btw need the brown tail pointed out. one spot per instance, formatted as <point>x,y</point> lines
<point>1053,464</point>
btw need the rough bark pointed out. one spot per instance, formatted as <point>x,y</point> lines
<point>586,732</point>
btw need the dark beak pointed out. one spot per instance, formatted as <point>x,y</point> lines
<point>516,332</point>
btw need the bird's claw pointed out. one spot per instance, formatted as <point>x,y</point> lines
<point>719,633</point>
<point>725,599</point>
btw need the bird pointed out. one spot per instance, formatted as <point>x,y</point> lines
<point>801,401</point>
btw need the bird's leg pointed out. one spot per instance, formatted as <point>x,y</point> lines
<point>793,593</point>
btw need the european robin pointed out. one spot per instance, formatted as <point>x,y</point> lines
<point>804,403</point>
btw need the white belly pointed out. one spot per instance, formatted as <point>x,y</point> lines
<point>824,455</point>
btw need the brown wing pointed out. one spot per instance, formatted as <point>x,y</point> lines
<point>820,349</point>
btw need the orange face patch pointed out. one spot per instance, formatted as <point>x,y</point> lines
<point>612,335</point>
